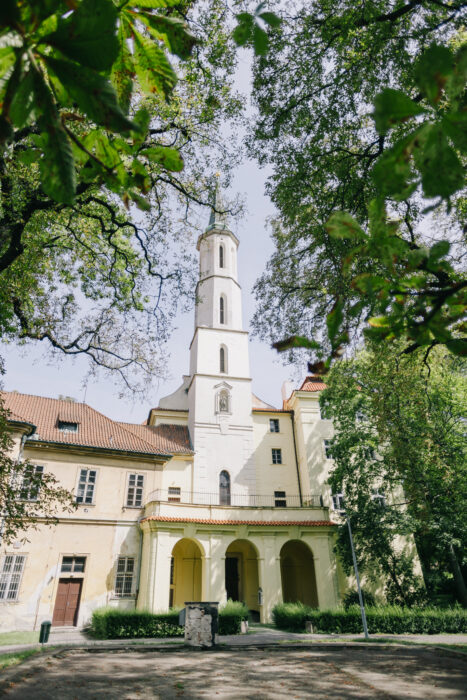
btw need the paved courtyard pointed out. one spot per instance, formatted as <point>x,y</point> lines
<point>241,673</point>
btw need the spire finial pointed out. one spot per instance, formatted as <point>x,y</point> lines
<point>218,217</point>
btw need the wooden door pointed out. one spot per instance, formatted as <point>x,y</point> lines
<point>67,602</point>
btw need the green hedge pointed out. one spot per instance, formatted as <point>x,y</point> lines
<point>381,619</point>
<point>111,623</point>
<point>231,616</point>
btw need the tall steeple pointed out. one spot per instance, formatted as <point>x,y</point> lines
<point>219,391</point>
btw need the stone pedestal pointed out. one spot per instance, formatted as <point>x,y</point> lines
<point>201,624</point>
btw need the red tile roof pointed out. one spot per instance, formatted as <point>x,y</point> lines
<point>208,521</point>
<point>168,437</point>
<point>94,429</point>
<point>313,383</point>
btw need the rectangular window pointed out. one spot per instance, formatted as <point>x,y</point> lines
<point>328,448</point>
<point>86,486</point>
<point>280,499</point>
<point>11,571</point>
<point>67,427</point>
<point>124,578</point>
<point>273,425</point>
<point>276,456</point>
<point>31,483</point>
<point>174,494</point>
<point>338,502</point>
<point>73,565</point>
<point>134,495</point>
<point>378,496</point>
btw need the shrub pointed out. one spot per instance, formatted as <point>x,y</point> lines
<point>110,623</point>
<point>231,616</point>
<point>351,598</point>
<point>381,619</point>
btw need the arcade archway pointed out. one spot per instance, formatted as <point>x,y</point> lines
<point>298,574</point>
<point>241,573</point>
<point>185,572</point>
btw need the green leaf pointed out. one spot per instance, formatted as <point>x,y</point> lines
<point>123,71</point>
<point>243,32</point>
<point>270,18</point>
<point>439,250</point>
<point>155,4</point>
<point>334,320</point>
<point>432,71</point>
<point>173,31</point>
<point>260,41</point>
<point>6,131</point>
<point>441,170</point>
<point>9,13</point>
<point>296,341</point>
<point>342,225</point>
<point>140,202</point>
<point>22,104</point>
<point>155,74</point>
<point>88,34</point>
<point>458,346</point>
<point>30,156</point>
<point>57,169</point>
<point>169,158</point>
<point>392,107</point>
<point>93,93</point>
<point>455,126</point>
<point>393,174</point>
<point>7,59</point>
<point>379,322</point>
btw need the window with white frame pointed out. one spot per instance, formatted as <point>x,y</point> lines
<point>86,486</point>
<point>280,500</point>
<point>73,565</point>
<point>11,571</point>
<point>328,448</point>
<point>379,497</point>
<point>276,455</point>
<point>124,577</point>
<point>30,485</point>
<point>174,494</point>
<point>274,425</point>
<point>134,495</point>
<point>338,502</point>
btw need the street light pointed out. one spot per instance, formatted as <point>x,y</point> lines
<point>338,499</point>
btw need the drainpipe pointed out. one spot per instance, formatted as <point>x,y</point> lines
<point>296,459</point>
<point>140,557</point>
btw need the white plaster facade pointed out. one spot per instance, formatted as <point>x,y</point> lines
<point>268,537</point>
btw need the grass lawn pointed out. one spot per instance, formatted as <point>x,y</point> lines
<point>7,638</point>
<point>15,657</point>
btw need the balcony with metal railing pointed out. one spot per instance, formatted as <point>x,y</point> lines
<point>279,499</point>
<point>174,504</point>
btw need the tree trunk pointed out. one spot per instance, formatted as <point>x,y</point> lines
<point>458,578</point>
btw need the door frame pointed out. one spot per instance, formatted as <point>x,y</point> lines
<point>239,558</point>
<point>77,579</point>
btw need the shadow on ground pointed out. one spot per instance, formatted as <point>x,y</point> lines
<point>241,673</point>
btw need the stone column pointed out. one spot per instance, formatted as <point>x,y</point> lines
<point>159,574</point>
<point>325,571</point>
<point>270,574</point>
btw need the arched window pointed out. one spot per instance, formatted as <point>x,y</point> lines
<point>221,256</point>
<point>223,359</point>
<point>222,310</point>
<point>224,488</point>
<point>223,401</point>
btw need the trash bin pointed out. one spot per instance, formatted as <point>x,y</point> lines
<point>45,631</point>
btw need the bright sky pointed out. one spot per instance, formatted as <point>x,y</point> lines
<point>29,371</point>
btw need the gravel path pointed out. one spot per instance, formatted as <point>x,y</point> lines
<point>230,674</point>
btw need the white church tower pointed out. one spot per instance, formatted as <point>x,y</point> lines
<point>219,394</point>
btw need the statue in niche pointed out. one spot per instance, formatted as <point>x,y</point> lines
<point>223,402</point>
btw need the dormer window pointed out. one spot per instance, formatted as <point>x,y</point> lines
<point>221,256</point>
<point>67,426</point>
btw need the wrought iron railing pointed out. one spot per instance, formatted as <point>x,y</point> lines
<point>236,500</point>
